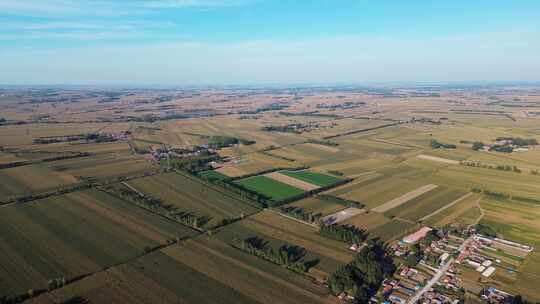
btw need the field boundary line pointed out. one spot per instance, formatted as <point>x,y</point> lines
<point>446,206</point>
<point>292,218</point>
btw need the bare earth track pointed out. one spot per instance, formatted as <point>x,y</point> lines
<point>291,181</point>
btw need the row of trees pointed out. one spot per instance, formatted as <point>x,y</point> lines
<point>48,159</point>
<point>340,201</point>
<point>518,141</point>
<point>346,233</point>
<point>301,214</point>
<point>73,188</point>
<point>290,256</point>
<point>438,145</point>
<point>487,166</point>
<point>362,277</point>
<point>157,206</point>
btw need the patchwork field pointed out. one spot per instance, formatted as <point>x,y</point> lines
<point>74,234</point>
<point>189,194</point>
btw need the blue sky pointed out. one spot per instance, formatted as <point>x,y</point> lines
<point>199,42</point>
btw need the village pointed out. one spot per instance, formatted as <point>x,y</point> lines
<point>431,263</point>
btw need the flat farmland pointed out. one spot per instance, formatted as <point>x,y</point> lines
<point>377,191</point>
<point>391,230</point>
<point>179,274</point>
<point>25,134</point>
<point>74,234</point>
<point>257,162</point>
<point>106,167</point>
<point>378,225</point>
<point>279,230</point>
<point>315,205</point>
<point>269,187</point>
<point>426,203</point>
<point>213,174</point>
<point>25,180</point>
<point>319,179</point>
<point>518,222</point>
<point>368,220</point>
<point>454,214</point>
<point>189,194</point>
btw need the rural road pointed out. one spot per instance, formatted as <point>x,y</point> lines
<point>440,272</point>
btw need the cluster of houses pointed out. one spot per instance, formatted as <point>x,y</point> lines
<point>409,280</point>
<point>493,295</point>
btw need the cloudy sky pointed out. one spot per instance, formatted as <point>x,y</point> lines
<point>201,42</point>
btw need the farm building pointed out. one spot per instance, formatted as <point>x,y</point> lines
<point>417,236</point>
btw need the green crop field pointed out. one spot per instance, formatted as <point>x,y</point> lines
<point>269,187</point>
<point>188,193</point>
<point>74,234</point>
<point>213,174</point>
<point>318,179</point>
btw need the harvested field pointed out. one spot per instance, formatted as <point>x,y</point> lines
<point>191,194</point>
<point>279,230</point>
<point>392,230</point>
<point>74,234</point>
<point>26,180</point>
<point>367,220</point>
<point>426,203</point>
<point>291,181</point>
<point>404,198</point>
<point>319,179</point>
<point>231,171</point>
<point>179,274</point>
<point>438,159</point>
<point>312,204</point>
<point>342,215</point>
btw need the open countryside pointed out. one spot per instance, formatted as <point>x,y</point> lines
<point>269,152</point>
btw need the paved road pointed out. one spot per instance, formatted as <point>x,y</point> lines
<point>440,272</point>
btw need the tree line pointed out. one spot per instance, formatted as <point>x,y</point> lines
<point>340,201</point>
<point>157,206</point>
<point>363,276</point>
<point>301,214</point>
<point>346,233</point>
<point>290,256</point>
<point>438,145</point>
